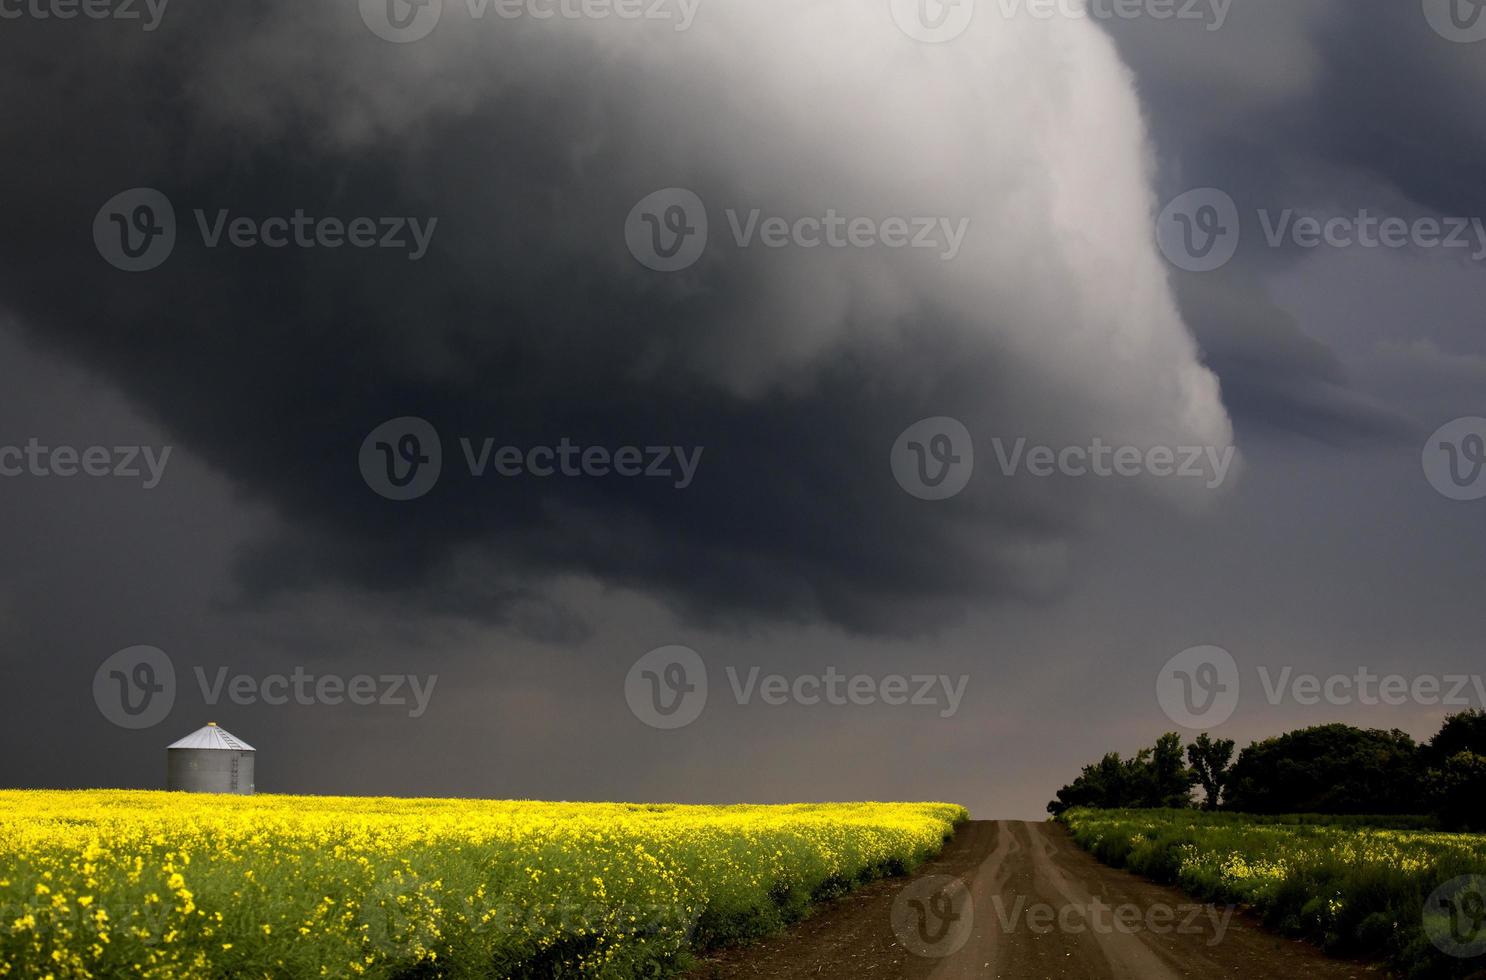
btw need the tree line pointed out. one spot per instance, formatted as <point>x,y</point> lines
<point>1331,769</point>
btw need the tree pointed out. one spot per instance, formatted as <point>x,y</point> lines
<point>1103,784</point>
<point>1210,761</point>
<point>1323,769</point>
<point>1457,792</point>
<point>1154,777</point>
<point>1463,732</point>
<point>1168,781</point>
<point>1456,780</point>
<point>1329,769</point>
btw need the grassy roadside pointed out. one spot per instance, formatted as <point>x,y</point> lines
<point>1356,886</point>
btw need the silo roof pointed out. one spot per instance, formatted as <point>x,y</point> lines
<point>212,737</point>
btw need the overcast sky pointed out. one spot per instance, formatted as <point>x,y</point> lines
<point>334,258</point>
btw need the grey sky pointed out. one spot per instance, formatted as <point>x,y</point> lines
<point>795,550</point>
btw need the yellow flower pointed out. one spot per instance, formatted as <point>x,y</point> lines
<point>365,882</point>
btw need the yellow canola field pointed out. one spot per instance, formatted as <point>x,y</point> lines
<point>170,885</point>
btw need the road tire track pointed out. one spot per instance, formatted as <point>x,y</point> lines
<point>1008,870</point>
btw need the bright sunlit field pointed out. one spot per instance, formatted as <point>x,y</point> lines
<point>112,883</point>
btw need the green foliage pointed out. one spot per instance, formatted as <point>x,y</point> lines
<point>1166,780</point>
<point>1210,759</point>
<point>1455,782</point>
<point>1155,777</point>
<point>1328,769</point>
<point>1334,769</point>
<point>1355,884</point>
<point>1457,791</point>
<point>1464,732</point>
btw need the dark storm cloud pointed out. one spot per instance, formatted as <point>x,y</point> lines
<point>266,370</point>
<point>528,322</point>
<point>1276,379</point>
<point>1306,104</point>
<point>1426,137</point>
<point>1288,96</point>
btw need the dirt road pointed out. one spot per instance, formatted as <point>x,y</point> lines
<point>1021,901</point>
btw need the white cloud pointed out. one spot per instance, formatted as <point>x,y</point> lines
<point>1029,128</point>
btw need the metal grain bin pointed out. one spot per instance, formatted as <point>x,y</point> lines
<point>210,760</point>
